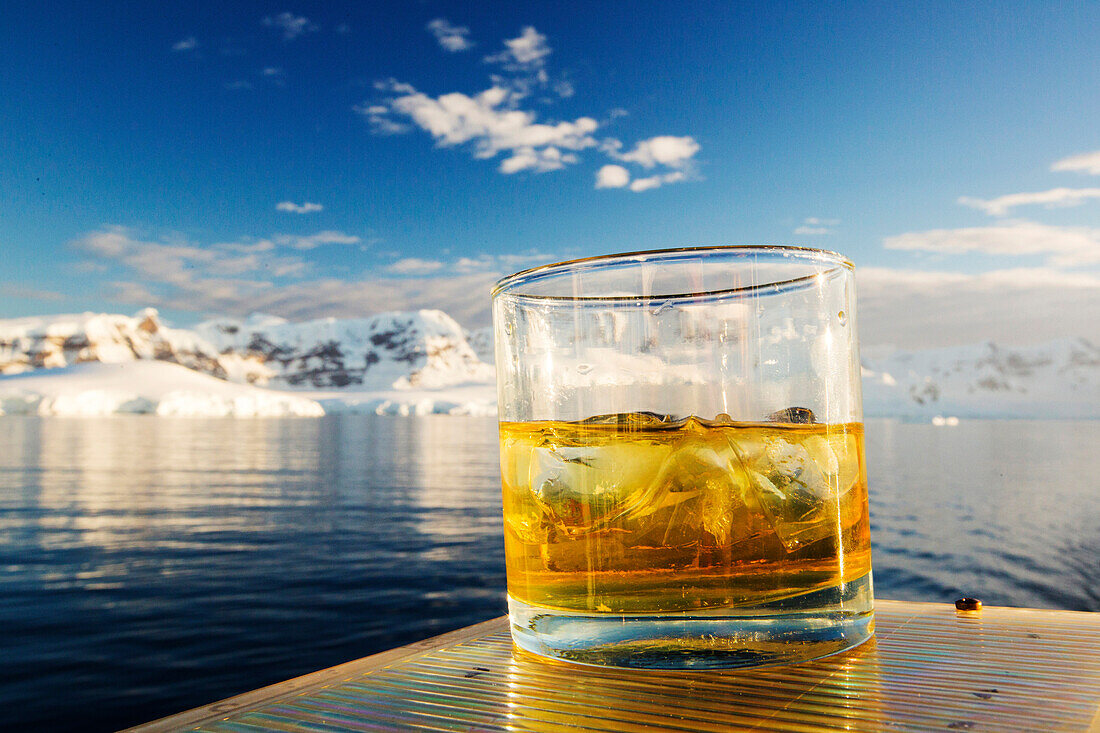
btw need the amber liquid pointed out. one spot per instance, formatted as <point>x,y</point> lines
<point>635,514</point>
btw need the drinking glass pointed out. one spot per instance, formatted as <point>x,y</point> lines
<point>682,458</point>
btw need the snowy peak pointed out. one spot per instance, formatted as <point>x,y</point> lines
<point>58,341</point>
<point>423,349</point>
<point>1055,379</point>
<point>416,353</point>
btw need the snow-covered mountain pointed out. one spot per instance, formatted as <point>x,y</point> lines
<point>1057,379</point>
<point>481,341</point>
<point>423,349</point>
<point>401,350</point>
<point>423,362</point>
<point>47,342</point>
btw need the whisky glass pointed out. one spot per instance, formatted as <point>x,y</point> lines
<point>682,458</point>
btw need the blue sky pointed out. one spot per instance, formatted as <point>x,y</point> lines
<point>315,159</point>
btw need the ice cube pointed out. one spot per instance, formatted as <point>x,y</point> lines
<point>798,415</point>
<point>709,493</point>
<point>583,487</point>
<point>642,418</point>
<point>795,493</point>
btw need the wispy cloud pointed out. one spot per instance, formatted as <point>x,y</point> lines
<point>191,271</point>
<point>274,75</point>
<point>239,85</point>
<point>312,241</point>
<point>451,37</point>
<point>649,182</point>
<point>814,226</point>
<point>251,275</point>
<point>1083,163</point>
<point>306,207</point>
<point>527,51</point>
<point>414,266</point>
<point>1054,198</point>
<point>22,292</point>
<point>1062,246</point>
<point>186,44</point>
<point>380,121</point>
<point>292,26</point>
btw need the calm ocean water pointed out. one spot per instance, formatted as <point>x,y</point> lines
<point>152,565</point>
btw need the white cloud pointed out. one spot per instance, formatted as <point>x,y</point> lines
<point>306,207</point>
<point>313,241</point>
<point>667,150</point>
<point>612,176</point>
<point>495,122</point>
<point>498,264</point>
<point>922,309</point>
<point>292,26</point>
<point>564,89</point>
<point>1055,197</point>
<point>1084,162</point>
<point>380,122</point>
<point>1063,246</point>
<point>814,226</point>
<point>540,161</point>
<point>414,266</point>
<point>186,44</point>
<point>452,38</point>
<point>645,184</point>
<point>529,50</point>
<point>238,85</point>
<point>488,122</point>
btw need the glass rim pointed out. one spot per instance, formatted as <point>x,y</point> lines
<point>502,286</point>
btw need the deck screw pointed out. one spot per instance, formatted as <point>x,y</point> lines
<point>968,604</point>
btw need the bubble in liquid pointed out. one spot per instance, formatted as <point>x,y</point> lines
<point>843,317</point>
<point>663,308</point>
<point>584,368</point>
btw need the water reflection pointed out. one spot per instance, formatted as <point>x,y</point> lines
<point>151,565</point>
<point>1005,511</point>
<point>154,565</point>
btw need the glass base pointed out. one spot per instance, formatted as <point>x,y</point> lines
<point>795,629</point>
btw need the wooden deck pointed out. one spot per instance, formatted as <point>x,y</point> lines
<point>929,667</point>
